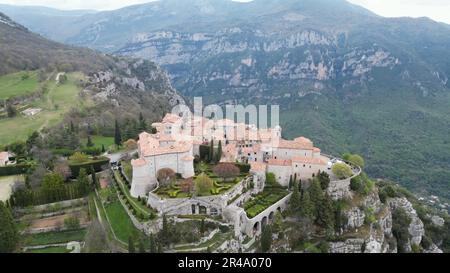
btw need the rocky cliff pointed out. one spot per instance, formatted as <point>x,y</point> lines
<point>370,226</point>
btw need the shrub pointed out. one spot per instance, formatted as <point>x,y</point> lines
<point>166,176</point>
<point>203,184</point>
<point>244,168</point>
<point>342,170</point>
<point>14,169</point>
<point>72,223</point>
<point>226,170</point>
<point>79,157</point>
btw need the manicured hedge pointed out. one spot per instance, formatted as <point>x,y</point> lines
<point>244,168</point>
<point>98,165</point>
<point>63,152</point>
<point>14,169</point>
<point>204,152</point>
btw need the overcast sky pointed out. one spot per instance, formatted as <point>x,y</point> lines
<point>438,10</point>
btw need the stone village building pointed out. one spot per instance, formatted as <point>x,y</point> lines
<point>178,141</point>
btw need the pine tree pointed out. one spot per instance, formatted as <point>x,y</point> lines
<point>317,196</point>
<point>294,203</point>
<point>131,245</point>
<point>141,247</point>
<point>142,124</point>
<point>83,182</point>
<point>219,151</point>
<point>153,244</point>
<point>266,239</point>
<point>117,134</point>
<point>307,206</point>
<point>324,179</point>
<point>291,182</point>
<point>89,142</point>
<point>93,175</point>
<point>326,214</point>
<point>202,227</point>
<point>72,127</point>
<point>9,236</point>
<point>103,149</point>
<point>211,151</point>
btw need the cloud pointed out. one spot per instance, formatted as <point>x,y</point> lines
<point>436,9</point>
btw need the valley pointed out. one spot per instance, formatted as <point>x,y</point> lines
<point>89,163</point>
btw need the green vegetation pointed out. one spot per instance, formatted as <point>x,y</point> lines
<point>263,201</point>
<point>342,170</point>
<point>137,205</point>
<point>400,224</point>
<point>203,185</point>
<point>17,84</point>
<point>55,237</point>
<point>9,235</point>
<point>120,221</point>
<point>53,250</point>
<point>57,101</point>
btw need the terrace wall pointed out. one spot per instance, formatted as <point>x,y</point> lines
<point>253,227</point>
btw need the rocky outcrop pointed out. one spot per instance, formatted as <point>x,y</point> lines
<point>416,228</point>
<point>356,218</point>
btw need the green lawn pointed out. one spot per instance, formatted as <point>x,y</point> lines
<point>16,84</point>
<point>53,249</point>
<point>99,141</point>
<point>55,237</point>
<point>120,221</point>
<point>137,205</point>
<point>55,104</point>
<point>5,185</point>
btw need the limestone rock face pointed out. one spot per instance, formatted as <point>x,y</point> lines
<point>416,228</point>
<point>437,221</point>
<point>348,246</point>
<point>433,249</point>
<point>355,218</point>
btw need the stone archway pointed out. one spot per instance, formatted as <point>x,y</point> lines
<point>271,217</point>
<point>202,210</point>
<point>264,222</point>
<point>256,227</point>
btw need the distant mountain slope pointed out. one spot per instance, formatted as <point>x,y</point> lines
<point>347,78</point>
<point>120,88</point>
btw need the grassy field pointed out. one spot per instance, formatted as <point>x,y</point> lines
<point>53,249</point>
<point>17,84</point>
<point>5,185</point>
<point>55,237</point>
<point>99,141</point>
<point>55,104</point>
<point>120,221</point>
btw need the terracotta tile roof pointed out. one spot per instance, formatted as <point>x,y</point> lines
<point>309,160</point>
<point>294,145</point>
<point>171,118</point>
<point>258,167</point>
<point>149,145</point>
<point>4,156</point>
<point>188,158</point>
<point>138,162</point>
<point>280,162</point>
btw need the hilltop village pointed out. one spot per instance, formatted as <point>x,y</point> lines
<point>178,148</point>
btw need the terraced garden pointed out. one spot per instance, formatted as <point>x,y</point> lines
<point>263,201</point>
<point>179,189</point>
